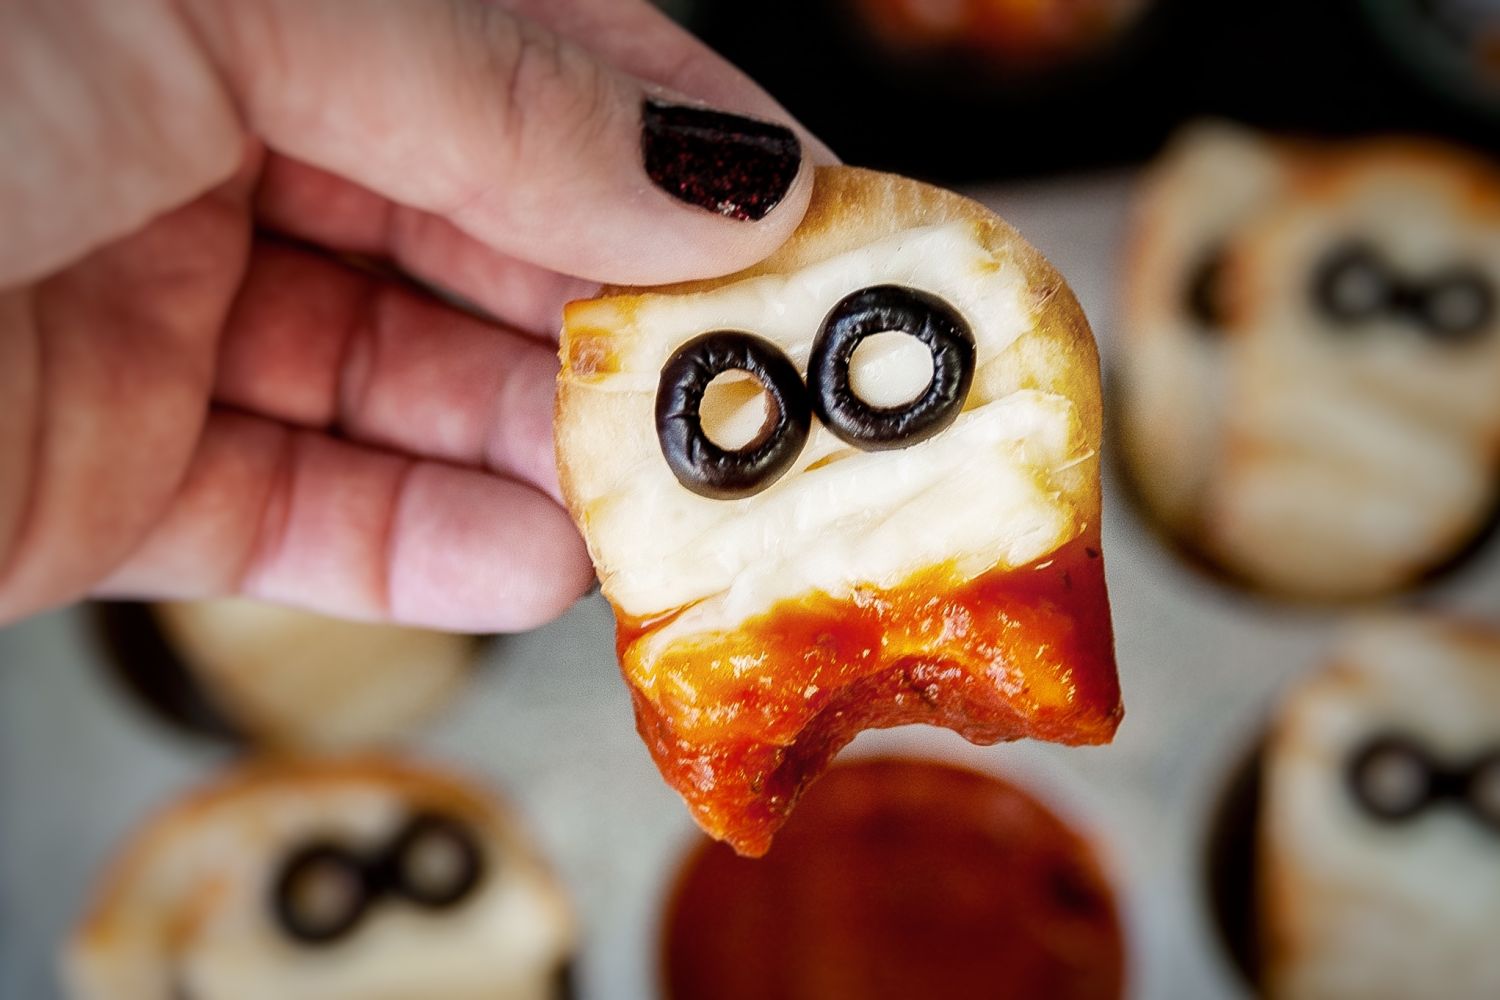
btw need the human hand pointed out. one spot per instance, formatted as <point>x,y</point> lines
<point>204,399</point>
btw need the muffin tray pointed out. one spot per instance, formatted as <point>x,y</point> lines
<point>547,720</point>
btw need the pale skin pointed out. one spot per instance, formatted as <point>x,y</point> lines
<point>204,398</point>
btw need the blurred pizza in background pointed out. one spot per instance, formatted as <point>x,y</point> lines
<point>1015,35</point>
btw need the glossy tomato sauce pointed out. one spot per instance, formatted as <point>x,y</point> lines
<point>899,880</point>
<point>741,722</point>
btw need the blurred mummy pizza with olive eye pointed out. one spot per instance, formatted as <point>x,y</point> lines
<point>1312,353</point>
<point>354,879</point>
<point>856,485</point>
<point>1379,839</point>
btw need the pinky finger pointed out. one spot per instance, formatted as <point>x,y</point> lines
<point>296,517</point>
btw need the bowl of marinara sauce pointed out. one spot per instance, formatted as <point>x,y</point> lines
<point>899,878</point>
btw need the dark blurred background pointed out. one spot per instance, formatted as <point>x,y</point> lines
<point>962,90</point>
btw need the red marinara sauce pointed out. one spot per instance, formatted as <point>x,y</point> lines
<point>1024,652</point>
<point>899,879</point>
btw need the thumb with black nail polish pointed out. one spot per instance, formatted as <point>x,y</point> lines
<point>736,166</point>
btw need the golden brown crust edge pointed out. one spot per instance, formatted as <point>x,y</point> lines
<point>852,207</point>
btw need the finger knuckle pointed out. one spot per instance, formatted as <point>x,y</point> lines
<point>554,97</point>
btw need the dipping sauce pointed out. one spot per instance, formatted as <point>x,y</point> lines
<point>899,879</point>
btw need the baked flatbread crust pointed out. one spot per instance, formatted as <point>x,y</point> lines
<point>956,582</point>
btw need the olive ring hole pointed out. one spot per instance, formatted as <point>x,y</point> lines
<point>737,411</point>
<point>874,312</point>
<point>890,369</point>
<point>1391,778</point>
<point>1457,306</point>
<point>1353,284</point>
<point>435,862</point>
<point>687,419</point>
<point>321,893</point>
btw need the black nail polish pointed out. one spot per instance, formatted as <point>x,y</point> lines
<point>738,167</point>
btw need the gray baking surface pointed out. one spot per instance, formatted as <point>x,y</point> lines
<point>548,721</point>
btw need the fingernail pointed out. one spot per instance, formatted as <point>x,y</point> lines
<point>738,167</point>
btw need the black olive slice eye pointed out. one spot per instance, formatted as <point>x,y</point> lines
<point>320,894</point>
<point>1456,306</point>
<point>698,463</point>
<point>884,309</point>
<point>435,862</point>
<point>1482,790</point>
<point>1391,777</point>
<point>1352,284</point>
<point>1204,292</point>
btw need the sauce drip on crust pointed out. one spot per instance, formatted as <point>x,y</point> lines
<point>740,723</point>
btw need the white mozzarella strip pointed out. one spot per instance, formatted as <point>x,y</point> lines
<point>976,498</point>
<point>982,494</point>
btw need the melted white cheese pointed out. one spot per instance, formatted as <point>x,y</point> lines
<point>982,494</point>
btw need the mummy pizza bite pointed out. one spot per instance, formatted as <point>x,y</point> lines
<point>853,486</point>
<point>1312,350</point>
<point>279,677</point>
<point>1380,824</point>
<point>366,879</point>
